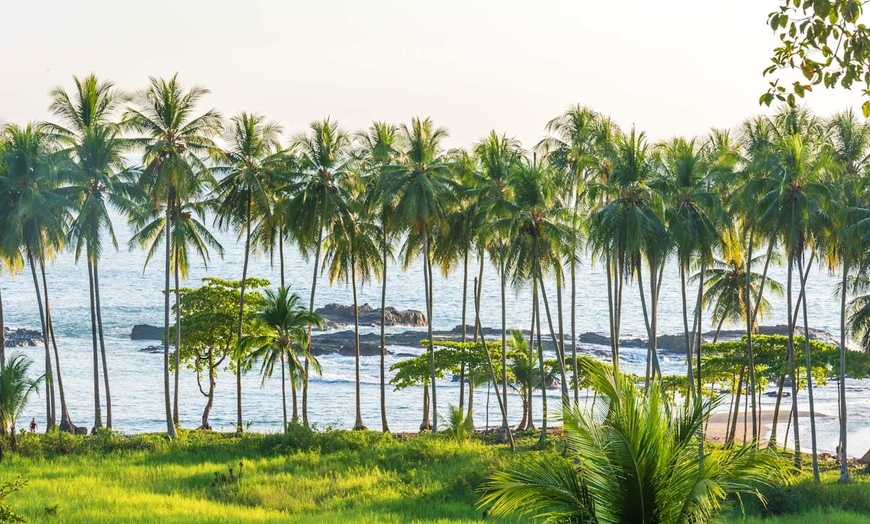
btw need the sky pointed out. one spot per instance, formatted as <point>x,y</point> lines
<point>668,67</point>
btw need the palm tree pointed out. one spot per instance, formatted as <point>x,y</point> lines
<point>173,175</point>
<point>570,146</point>
<point>15,388</point>
<point>317,198</point>
<point>791,209</point>
<point>93,140</point>
<point>243,194</point>
<point>353,254</point>
<point>36,224</point>
<point>636,462</point>
<point>377,152</point>
<point>497,156</point>
<point>691,216</point>
<point>628,225</point>
<point>850,141</point>
<point>725,287</point>
<point>289,324</point>
<point>421,178</point>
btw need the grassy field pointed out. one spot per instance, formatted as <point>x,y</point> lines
<point>335,476</point>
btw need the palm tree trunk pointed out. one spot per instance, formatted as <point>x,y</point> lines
<point>775,420</point>
<point>66,423</point>
<point>109,422</point>
<point>750,353</point>
<point>560,353</point>
<point>560,322</point>
<point>170,424</point>
<point>239,420</point>
<point>699,328</point>
<point>574,317</point>
<point>49,376</point>
<point>427,276</point>
<point>175,415</point>
<point>729,441</point>
<point>358,425</point>
<point>426,425</point>
<point>652,357</point>
<point>815,455</point>
<point>501,404</point>
<point>503,274</point>
<point>98,412</point>
<point>283,391</point>
<point>690,374</point>
<point>310,310</point>
<point>294,388</point>
<point>844,466</point>
<point>611,310</point>
<point>791,365</point>
<point>464,334</point>
<point>751,322</point>
<point>385,427</point>
<point>544,383</point>
<point>2,335</point>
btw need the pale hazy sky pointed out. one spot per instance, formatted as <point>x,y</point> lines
<point>671,67</point>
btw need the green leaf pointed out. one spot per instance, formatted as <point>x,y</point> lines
<point>865,108</point>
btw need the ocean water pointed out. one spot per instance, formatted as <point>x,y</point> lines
<point>131,294</point>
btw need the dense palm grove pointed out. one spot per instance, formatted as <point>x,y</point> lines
<point>790,188</point>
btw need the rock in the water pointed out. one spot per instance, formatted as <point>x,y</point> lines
<point>146,332</point>
<point>81,430</point>
<point>337,316</point>
<point>20,337</point>
<point>152,349</point>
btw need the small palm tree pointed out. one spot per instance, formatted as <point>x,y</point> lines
<point>289,323</point>
<point>632,460</point>
<point>15,388</point>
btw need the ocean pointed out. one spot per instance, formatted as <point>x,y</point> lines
<point>132,294</point>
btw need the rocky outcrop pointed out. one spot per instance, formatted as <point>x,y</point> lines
<point>20,337</point>
<point>338,316</point>
<point>146,332</point>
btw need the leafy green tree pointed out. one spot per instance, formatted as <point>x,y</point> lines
<point>243,195</point>
<point>827,40</point>
<point>97,172</point>
<point>208,318</point>
<point>174,176</point>
<point>635,462</point>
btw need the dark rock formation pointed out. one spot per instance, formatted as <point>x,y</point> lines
<point>146,332</point>
<point>338,316</point>
<point>20,337</point>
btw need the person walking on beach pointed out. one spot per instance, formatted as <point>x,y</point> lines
<point>33,425</point>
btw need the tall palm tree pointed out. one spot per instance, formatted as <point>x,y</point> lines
<point>850,144</point>
<point>353,254</point>
<point>497,156</point>
<point>35,223</point>
<point>176,142</point>
<point>693,216</point>
<point>92,137</point>
<point>289,324</point>
<point>636,462</point>
<point>570,146</point>
<point>791,209</point>
<point>421,178</point>
<point>317,197</point>
<point>16,385</point>
<point>377,152</point>
<point>243,194</point>
<point>627,225</point>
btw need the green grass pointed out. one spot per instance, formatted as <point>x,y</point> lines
<point>336,476</point>
<point>332,476</point>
